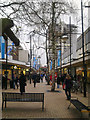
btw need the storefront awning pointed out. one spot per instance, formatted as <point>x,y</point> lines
<point>15,62</point>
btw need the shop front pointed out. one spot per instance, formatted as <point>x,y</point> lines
<point>88,74</point>
<point>79,71</point>
<point>12,68</point>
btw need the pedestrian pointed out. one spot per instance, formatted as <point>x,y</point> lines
<point>22,81</point>
<point>47,79</point>
<point>41,77</point>
<point>15,80</point>
<point>68,84</point>
<point>50,77</point>
<point>38,78</point>
<point>3,81</point>
<point>63,79</point>
<point>58,81</point>
<point>34,77</point>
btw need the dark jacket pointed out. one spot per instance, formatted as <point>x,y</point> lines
<point>3,81</point>
<point>16,80</point>
<point>68,83</point>
<point>22,81</point>
<point>34,77</point>
<point>63,77</point>
<point>58,80</point>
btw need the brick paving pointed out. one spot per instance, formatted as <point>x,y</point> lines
<point>55,104</point>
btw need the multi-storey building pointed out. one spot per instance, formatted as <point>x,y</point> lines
<point>76,52</point>
<point>58,31</point>
<point>77,55</point>
<point>17,58</point>
<point>62,43</point>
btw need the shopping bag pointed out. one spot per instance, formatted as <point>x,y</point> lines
<point>64,86</point>
<point>57,85</point>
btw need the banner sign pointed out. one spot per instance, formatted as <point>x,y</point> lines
<point>59,54</point>
<point>11,50</point>
<point>35,63</point>
<point>2,42</point>
<point>51,65</point>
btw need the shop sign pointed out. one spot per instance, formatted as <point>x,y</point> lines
<point>15,67</point>
<point>51,65</point>
<point>35,61</point>
<point>27,69</point>
<point>2,42</point>
<point>79,68</point>
<point>59,54</point>
<point>88,68</point>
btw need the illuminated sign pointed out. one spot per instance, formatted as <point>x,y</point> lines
<point>51,65</point>
<point>2,42</point>
<point>59,54</point>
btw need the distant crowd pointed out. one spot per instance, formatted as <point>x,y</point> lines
<point>21,79</point>
<point>66,80</point>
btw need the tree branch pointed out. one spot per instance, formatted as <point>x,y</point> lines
<point>14,3</point>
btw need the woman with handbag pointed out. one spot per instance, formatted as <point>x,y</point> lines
<point>68,86</point>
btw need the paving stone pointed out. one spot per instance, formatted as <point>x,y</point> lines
<point>55,104</point>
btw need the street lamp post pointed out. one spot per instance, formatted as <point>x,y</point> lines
<point>6,75</point>
<point>30,55</point>
<point>30,59</point>
<point>70,43</point>
<point>39,64</point>
<point>60,57</point>
<point>84,65</point>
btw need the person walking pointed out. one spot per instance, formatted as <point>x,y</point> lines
<point>22,81</point>
<point>34,79</point>
<point>58,81</point>
<point>63,79</point>
<point>15,80</point>
<point>3,81</point>
<point>68,84</point>
<point>38,78</point>
<point>41,77</point>
<point>46,77</point>
<point>50,77</point>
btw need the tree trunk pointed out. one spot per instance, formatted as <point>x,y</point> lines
<point>53,49</point>
<point>47,61</point>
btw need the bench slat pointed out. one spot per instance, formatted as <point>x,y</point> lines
<point>80,106</point>
<point>26,97</point>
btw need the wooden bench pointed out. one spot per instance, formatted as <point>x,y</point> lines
<point>79,105</point>
<point>26,97</point>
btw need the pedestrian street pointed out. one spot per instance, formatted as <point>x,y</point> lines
<point>55,104</point>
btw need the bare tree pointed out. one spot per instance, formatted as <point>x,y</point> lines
<point>39,15</point>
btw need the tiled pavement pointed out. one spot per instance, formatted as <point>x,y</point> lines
<point>55,104</point>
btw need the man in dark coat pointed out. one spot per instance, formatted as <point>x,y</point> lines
<point>15,80</point>
<point>3,81</point>
<point>34,79</point>
<point>58,81</point>
<point>38,78</point>
<point>22,81</point>
<point>63,78</point>
<point>41,77</point>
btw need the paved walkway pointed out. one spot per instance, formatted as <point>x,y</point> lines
<point>55,104</point>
